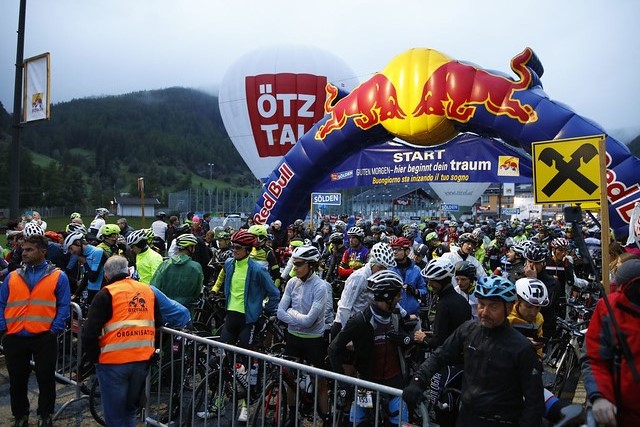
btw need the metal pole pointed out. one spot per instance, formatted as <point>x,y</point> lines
<point>14,164</point>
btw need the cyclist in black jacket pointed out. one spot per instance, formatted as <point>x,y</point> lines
<point>452,309</point>
<point>502,382</point>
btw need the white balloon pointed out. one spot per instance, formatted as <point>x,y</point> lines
<point>272,96</point>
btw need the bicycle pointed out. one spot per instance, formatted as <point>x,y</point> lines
<point>564,353</point>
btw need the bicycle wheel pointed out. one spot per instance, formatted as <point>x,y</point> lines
<point>205,403</point>
<point>95,402</point>
<point>166,391</point>
<point>270,407</point>
<point>565,369</point>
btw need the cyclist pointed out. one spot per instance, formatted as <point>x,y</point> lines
<point>465,275</point>
<point>536,256</point>
<point>108,237</point>
<point>179,277</point>
<point>525,316</point>
<point>414,288</point>
<point>379,338</point>
<point>332,257</point>
<point>302,308</point>
<point>356,255</point>
<point>93,259</point>
<point>263,254</point>
<point>355,296</point>
<point>159,227</point>
<point>560,266</point>
<point>451,308</point>
<point>98,221</point>
<point>502,382</point>
<point>467,244</point>
<point>147,260</point>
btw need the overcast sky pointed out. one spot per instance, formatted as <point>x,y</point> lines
<point>590,49</point>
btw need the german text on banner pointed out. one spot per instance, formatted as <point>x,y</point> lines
<point>36,88</point>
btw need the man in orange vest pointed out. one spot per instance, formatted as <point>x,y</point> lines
<point>34,308</point>
<point>119,334</point>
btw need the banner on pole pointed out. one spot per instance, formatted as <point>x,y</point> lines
<point>36,92</point>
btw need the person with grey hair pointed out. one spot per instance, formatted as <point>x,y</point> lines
<point>119,334</point>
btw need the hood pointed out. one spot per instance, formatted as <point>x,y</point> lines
<point>180,259</point>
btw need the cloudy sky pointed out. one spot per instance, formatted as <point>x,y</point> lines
<point>590,49</point>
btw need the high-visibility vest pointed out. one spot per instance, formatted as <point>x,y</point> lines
<point>32,310</point>
<point>129,335</point>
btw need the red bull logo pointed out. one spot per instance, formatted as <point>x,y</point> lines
<point>447,92</point>
<point>451,93</point>
<point>370,103</point>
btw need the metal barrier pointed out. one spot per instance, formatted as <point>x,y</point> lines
<point>199,381</point>
<point>69,369</point>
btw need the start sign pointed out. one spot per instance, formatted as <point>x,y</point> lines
<point>566,170</point>
<point>334,199</point>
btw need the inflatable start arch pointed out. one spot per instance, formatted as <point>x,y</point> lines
<point>425,99</point>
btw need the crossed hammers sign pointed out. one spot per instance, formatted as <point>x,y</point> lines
<point>568,170</point>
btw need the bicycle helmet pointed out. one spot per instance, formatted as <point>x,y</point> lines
<point>532,291</point>
<point>375,229</point>
<point>536,253</point>
<point>467,238</point>
<point>108,230</point>
<point>150,235</point>
<point>453,224</point>
<point>401,242</point>
<point>221,235</point>
<point>384,285</point>
<point>356,232</point>
<point>75,215</point>
<point>136,237</point>
<point>336,238</point>
<point>495,287</point>
<point>102,212</point>
<point>382,254</point>
<point>409,233</point>
<point>559,243</point>
<point>422,250</point>
<point>258,230</point>
<point>32,229</point>
<point>340,224</point>
<point>73,227</point>
<point>306,253</point>
<point>244,238</point>
<point>431,236</point>
<point>466,269</point>
<point>71,239</point>
<point>53,236</point>
<point>298,223</point>
<point>161,214</point>
<point>186,240</point>
<point>438,269</point>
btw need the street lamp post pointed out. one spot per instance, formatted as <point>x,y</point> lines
<point>211,165</point>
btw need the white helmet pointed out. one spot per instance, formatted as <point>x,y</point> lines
<point>438,269</point>
<point>382,254</point>
<point>32,229</point>
<point>532,291</point>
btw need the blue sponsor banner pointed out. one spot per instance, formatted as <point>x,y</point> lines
<point>449,207</point>
<point>466,158</point>
<point>511,211</point>
<point>334,199</point>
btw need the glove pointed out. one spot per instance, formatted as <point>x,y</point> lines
<point>412,291</point>
<point>343,397</point>
<point>399,338</point>
<point>413,394</point>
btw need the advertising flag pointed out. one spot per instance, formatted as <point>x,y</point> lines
<point>36,93</point>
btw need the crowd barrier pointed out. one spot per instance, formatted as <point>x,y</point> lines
<point>199,381</point>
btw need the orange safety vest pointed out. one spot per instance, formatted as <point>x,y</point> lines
<point>129,335</point>
<point>32,310</point>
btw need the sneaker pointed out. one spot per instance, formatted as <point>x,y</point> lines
<point>244,414</point>
<point>21,422</point>
<point>46,421</point>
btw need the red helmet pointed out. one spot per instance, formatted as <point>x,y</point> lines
<point>401,242</point>
<point>243,237</point>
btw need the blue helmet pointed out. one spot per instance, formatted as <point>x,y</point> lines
<point>495,287</point>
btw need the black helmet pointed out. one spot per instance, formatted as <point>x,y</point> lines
<point>160,214</point>
<point>384,285</point>
<point>467,238</point>
<point>536,253</point>
<point>336,238</point>
<point>465,268</point>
